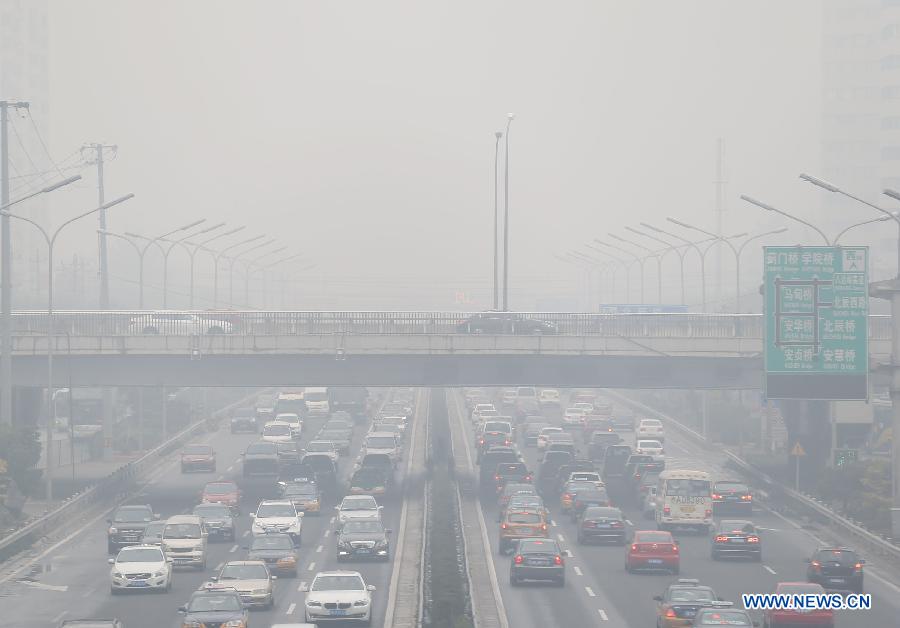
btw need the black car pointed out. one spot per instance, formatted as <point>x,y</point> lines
<point>260,459</point>
<point>363,540</point>
<point>92,623</point>
<point>614,462</point>
<point>489,462</point>
<point>599,523</point>
<point>244,420</point>
<point>531,433</point>
<point>735,537</point>
<point>511,472</point>
<point>289,456</point>
<point>214,608</point>
<point>126,527</point>
<point>304,493</point>
<point>548,471</point>
<point>731,497</point>
<point>599,442</point>
<point>586,499</point>
<point>324,469</point>
<point>537,559</point>
<point>504,323</point>
<point>837,568</point>
<point>646,461</point>
<point>276,550</point>
<point>218,520</point>
<point>371,481</point>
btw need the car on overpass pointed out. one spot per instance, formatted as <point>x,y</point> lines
<point>178,324</point>
<point>504,323</point>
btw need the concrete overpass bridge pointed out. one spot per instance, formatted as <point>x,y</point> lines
<point>236,348</point>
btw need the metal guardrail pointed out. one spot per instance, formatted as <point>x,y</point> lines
<point>807,502</point>
<point>106,489</point>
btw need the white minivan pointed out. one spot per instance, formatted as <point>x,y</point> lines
<point>184,541</point>
<point>317,401</point>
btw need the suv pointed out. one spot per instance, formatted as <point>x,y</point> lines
<point>126,527</point>
<point>278,516</point>
<point>198,457</point>
<point>218,520</point>
<point>260,459</point>
<point>244,420</point>
<point>521,524</point>
<point>837,568</point>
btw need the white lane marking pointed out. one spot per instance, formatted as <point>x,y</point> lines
<point>769,569</point>
<point>44,587</point>
<point>246,533</point>
<point>553,522</point>
<point>331,520</point>
<point>59,617</point>
<point>628,521</point>
<point>233,549</point>
<point>577,570</point>
<point>319,549</point>
<point>220,478</point>
<point>326,534</point>
<point>602,614</point>
<point>290,609</point>
<point>590,591</point>
<point>301,586</point>
<point>561,538</point>
<point>568,553</point>
<point>230,468</point>
<point>312,566</point>
<point>219,566</point>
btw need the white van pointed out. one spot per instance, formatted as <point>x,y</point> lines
<point>184,541</point>
<point>317,401</point>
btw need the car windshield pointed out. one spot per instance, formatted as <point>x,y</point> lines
<point>511,469</point>
<point>362,527</point>
<point>220,488</point>
<point>380,442</point>
<point>133,515</point>
<point>211,603</point>
<point>687,488</point>
<point>524,517</point>
<point>243,572</point>
<point>140,555</point>
<point>358,503</point>
<point>319,462</point>
<point>602,513</point>
<point>736,527</point>
<point>275,510</point>
<point>182,531</point>
<point>262,448</point>
<point>724,618</point>
<point>277,430</point>
<point>334,435</point>
<point>731,487</point>
<point>338,583</point>
<point>320,445</point>
<point>211,510</point>
<point>690,594</point>
<point>154,529</point>
<point>651,423</point>
<point>272,542</point>
<point>197,449</point>
<point>538,547</point>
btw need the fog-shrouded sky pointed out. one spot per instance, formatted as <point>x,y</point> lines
<point>361,134</point>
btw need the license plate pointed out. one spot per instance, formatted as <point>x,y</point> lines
<point>139,583</point>
<point>363,551</point>
<point>687,509</point>
<point>738,540</point>
<point>836,580</point>
<point>655,561</point>
<point>540,563</point>
<point>603,525</point>
<point>337,612</point>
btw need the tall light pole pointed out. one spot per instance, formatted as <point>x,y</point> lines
<point>588,265</point>
<point>693,245</point>
<point>94,154</point>
<point>217,255</point>
<point>278,262</point>
<point>604,265</point>
<point>651,253</point>
<point>140,252</point>
<point>780,212</point>
<point>156,241</point>
<point>5,272</point>
<point>663,252</point>
<point>196,247</point>
<point>509,119</point>
<point>171,246</point>
<point>50,239</point>
<point>859,224</point>
<point>234,258</point>
<point>497,136</point>
<point>626,266</point>
<point>250,264</point>
<point>637,258</point>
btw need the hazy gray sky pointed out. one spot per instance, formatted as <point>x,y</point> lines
<point>361,133</point>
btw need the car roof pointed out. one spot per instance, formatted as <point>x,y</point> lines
<point>281,502</point>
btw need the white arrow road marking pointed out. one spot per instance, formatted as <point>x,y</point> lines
<point>44,587</point>
<point>290,609</point>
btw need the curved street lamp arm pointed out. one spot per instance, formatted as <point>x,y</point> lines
<point>769,208</point>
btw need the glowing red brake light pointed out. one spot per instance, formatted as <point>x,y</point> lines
<point>708,512</point>
<point>674,548</point>
<point>503,526</point>
<point>633,547</point>
<point>670,613</point>
<point>716,496</point>
<point>518,559</point>
<point>497,477</point>
<point>753,539</point>
<point>816,565</point>
<point>667,510</point>
<point>557,560</point>
<point>746,498</point>
<point>858,566</point>
<point>721,539</point>
<point>544,527</point>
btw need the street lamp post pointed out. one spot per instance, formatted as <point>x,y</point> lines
<point>604,265</point>
<point>693,245</point>
<point>669,247</point>
<point>626,266</point>
<point>637,258</point>
<point>250,264</point>
<point>509,119</point>
<point>6,274</point>
<point>278,262</point>
<point>651,253</point>
<point>234,259</point>
<point>202,245</point>
<point>217,255</point>
<point>497,136</point>
<point>588,264</point>
<point>737,262</point>
<point>155,241</point>
<point>172,245</point>
<point>51,242</point>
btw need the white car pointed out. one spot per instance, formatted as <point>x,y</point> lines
<point>172,324</point>
<point>508,397</point>
<point>651,447</point>
<point>278,516</point>
<point>648,506</point>
<point>574,416</point>
<point>292,419</point>
<point>339,595</point>
<point>483,409</point>
<point>544,436</point>
<point>358,508</point>
<point>316,400</point>
<point>650,429</point>
<point>140,567</point>
<point>382,443</point>
<point>277,432</point>
<point>549,397</point>
<point>323,447</point>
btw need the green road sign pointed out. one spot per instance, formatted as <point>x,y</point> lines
<point>816,305</point>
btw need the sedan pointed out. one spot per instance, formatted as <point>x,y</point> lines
<point>276,550</point>
<point>504,323</point>
<point>140,567</point>
<point>226,493</point>
<point>339,596</point>
<point>198,458</point>
<point>215,608</point>
<point>586,499</point>
<point>363,540</point>
<point>537,559</point>
<point>601,524</point>
<point>651,447</point>
<point>804,617</point>
<point>732,497</point>
<point>250,578</point>
<point>653,550</point>
<point>218,520</point>
<point>736,538</point>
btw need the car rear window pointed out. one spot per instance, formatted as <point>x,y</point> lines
<point>732,486</point>
<point>511,469</point>
<point>650,536</point>
<point>539,546</point>
<point>197,449</point>
<point>724,618</point>
<point>524,517</point>
<point>799,588</point>
<point>843,557</point>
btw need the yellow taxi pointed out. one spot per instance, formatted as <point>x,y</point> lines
<point>521,524</point>
<point>303,493</point>
<point>679,604</point>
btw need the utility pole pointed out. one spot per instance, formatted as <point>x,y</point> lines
<point>720,210</point>
<point>509,119</point>
<point>93,154</point>
<point>6,268</point>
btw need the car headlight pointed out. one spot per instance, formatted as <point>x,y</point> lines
<point>118,575</point>
<point>288,560</point>
<point>382,543</point>
<point>361,603</point>
<point>160,573</point>
<point>313,603</point>
<point>113,530</point>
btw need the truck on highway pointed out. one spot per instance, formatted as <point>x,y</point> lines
<point>352,399</point>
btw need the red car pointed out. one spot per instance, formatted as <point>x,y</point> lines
<point>198,457</point>
<point>653,550</point>
<point>817,617</point>
<point>226,493</point>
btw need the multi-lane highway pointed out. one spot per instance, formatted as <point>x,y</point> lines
<point>72,581</point>
<point>599,591</point>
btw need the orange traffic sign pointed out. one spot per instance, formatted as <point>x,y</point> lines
<point>797,449</point>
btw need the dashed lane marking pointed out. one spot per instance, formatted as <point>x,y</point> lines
<point>553,522</point>
<point>561,538</point>
<point>769,569</point>
<point>312,566</point>
<point>233,549</point>
<point>326,534</point>
<point>332,519</point>
<point>578,571</point>
<point>319,549</point>
<point>590,591</point>
<point>59,617</point>
<point>568,553</point>
<point>602,614</point>
<point>230,468</point>
<point>628,521</point>
<point>290,609</point>
<point>246,533</point>
<point>301,586</point>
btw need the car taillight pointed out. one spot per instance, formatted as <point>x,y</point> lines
<point>670,613</point>
<point>816,565</point>
<point>481,441</point>
<point>633,547</point>
<point>518,559</point>
<point>674,549</point>
<point>543,527</point>
<point>528,478</point>
<point>667,510</point>
<point>617,524</point>
<point>857,567</point>
<point>753,539</point>
<point>721,539</point>
<point>503,526</point>
<point>716,496</point>
<point>746,498</point>
<point>557,560</point>
<point>567,496</point>
<point>497,478</point>
<point>507,442</point>
<point>708,512</point>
